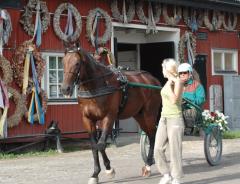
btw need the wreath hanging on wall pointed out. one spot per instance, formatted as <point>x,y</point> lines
<point>89,27</point>
<point>216,22</point>
<point>177,15</point>
<point>195,20</point>
<point>182,46</point>
<point>20,107</point>
<point>78,21</point>
<point>19,59</point>
<point>156,12</point>
<point>125,17</point>
<point>26,18</point>
<point>231,25</point>
<point>5,65</point>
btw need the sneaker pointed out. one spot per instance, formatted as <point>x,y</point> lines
<point>165,179</point>
<point>175,181</point>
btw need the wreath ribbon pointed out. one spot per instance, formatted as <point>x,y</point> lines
<point>35,102</point>
<point>26,73</point>
<point>69,25</point>
<point>4,103</point>
<point>95,28</point>
<point>38,26</point>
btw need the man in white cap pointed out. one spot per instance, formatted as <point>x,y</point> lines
<point>193,91</point>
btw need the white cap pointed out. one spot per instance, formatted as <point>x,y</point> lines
<point>185,67</point>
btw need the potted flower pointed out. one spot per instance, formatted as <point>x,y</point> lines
<point>215,118</point>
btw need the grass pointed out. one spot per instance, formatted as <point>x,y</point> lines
<point>231,134</point>
<point>28,154</point>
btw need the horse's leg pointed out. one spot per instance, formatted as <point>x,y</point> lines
<point>91,128</point>
<point>147,124</point>
<point>109,171</point>
<point>107,124</point>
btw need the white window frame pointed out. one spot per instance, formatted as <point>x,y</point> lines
<point>223,70</point>
<point>45,82</point>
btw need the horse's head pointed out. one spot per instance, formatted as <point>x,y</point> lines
<point>72,65</point>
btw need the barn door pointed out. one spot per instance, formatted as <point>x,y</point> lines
<point>152,55</point>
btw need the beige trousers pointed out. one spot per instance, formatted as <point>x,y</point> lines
<point>170,132</point>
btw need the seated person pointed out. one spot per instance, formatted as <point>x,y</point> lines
<point>193,91</point>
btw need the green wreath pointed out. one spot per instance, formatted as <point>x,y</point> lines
<point>108,24</point>
<point>56,22</point>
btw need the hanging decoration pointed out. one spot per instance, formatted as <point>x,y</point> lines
<point>92,27</point>
<point>68,35</point>
<point>153,15</point>
<point>5,28</point>
<point>126,16</point>
<point>187,41</point>
<point>26,18</point>
<point>30,115</point>
<point>231,25</point>
<point>195,20</point>
<point>4,105</point>
<point>6,68</point>
<point>19,65</point>
<point>217,20</point>
<point>20,107</point>
<point>177,15</point>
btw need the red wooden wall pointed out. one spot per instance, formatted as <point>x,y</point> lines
<point>68,116</point>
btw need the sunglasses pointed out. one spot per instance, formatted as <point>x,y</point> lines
<point>180,73</point>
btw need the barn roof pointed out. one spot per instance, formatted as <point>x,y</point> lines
<point>227,5</point>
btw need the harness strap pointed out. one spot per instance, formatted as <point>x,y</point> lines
<point>106,90</point>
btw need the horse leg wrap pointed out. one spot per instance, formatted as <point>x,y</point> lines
<point>110,173</point>
<point>146,171</point>
<point>93,180</point>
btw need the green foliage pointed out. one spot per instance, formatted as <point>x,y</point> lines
<point>231,134</point>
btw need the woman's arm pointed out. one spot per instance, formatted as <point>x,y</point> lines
<point>176,87</point>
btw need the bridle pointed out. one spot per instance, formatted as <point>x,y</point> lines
<point>77,79</point>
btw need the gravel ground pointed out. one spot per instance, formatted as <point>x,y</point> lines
<point>76,167</point>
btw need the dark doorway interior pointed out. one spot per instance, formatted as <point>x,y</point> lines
<point>200,67</point>
<point>152,55</point>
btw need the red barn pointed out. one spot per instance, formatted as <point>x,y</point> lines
<point>141,38</point>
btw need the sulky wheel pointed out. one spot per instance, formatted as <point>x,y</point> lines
<point>213,146</point>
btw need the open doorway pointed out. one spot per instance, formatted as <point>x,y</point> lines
<point>135,49</point>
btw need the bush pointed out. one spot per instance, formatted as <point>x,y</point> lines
<point>231,134</point>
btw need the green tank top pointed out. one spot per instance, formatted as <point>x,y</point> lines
<point>168,108</point>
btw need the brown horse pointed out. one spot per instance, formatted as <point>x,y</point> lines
<point>104,95</point>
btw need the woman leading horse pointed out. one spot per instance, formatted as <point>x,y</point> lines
<point>104,95</point>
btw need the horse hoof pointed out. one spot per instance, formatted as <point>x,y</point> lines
<point>110,173</point>
<point>93,180</point>
<point>146,171</point>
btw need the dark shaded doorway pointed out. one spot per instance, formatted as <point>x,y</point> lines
<point>152,55</point>
<point>200,67</point>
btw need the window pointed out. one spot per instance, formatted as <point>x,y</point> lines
<point>53,78</point>
<point>224,62</point>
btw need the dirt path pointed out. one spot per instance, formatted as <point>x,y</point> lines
<point>76,167</point>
